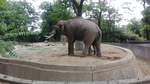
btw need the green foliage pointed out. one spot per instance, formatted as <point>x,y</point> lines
<point>17,16</point>
<point>17,13</point>
<point>112,35</point>
<point>146,32</point>
<point>15,19</point>
<point>105,17</point>
<point>3,28</point>
<point>2,3</point>
<point>6,48</point>
<point>135,26</point>
<point>96,10</point>
<point>9,33</point>
<point>119,35</point>
<point>146,15</point>
<point>23,36</point>
<point>132,36</point>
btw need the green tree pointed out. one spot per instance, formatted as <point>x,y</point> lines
<point>95,10</point>
<point>15,19</point>
<point>146,32</point>
<point>146,23</point>
<point>105,16</point>
<point>135,26</point>
<point>146,15</point>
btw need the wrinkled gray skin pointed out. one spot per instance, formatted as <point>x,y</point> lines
<point>82,30</point>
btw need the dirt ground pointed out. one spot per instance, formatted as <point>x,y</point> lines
<point>3,82</point>
<point>56,53</point>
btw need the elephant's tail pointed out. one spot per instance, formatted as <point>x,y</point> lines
<point>98,37</point>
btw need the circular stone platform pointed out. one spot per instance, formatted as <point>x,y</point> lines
<point>50,62</point>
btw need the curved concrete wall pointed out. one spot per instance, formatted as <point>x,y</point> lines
<point>124,68</point>
<point>13,80</point>
<point>140,50</point>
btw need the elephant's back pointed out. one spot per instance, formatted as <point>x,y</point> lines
<point>82,24</point>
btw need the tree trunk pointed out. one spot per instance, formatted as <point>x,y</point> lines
<point>100,14</point>
<point>144,4</point>
<point>100,19</point>
<point>77,7</point>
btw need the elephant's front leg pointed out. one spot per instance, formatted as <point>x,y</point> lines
<point>71,48</point>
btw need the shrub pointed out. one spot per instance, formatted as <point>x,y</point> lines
<point>120,35</point>
<point>145,31</point>
<point>23,37</point>
<point>6,48</point>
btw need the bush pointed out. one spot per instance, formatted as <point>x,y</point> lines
<point>133,36</point>
<point>115,35</point>
<point>119,35</point>
<point>23,37</point>
<point>145,31</point>
<point>130,36</point>
<point>6,48</point>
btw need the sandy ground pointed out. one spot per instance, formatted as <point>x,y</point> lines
<point>3,82</point>
<point>56,53</point>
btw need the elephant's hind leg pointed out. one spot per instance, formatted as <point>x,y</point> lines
<point>88,40</point>
<point>98,49</point>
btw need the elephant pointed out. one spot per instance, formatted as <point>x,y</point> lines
<point>82,30</point>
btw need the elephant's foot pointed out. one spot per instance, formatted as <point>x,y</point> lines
<point>71,54</point>
<point>99,55</point>
<point>90,54</point>
<point>83,55</point>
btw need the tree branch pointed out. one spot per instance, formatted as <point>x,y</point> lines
<point>77,7</point>
<point>74,5</point>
